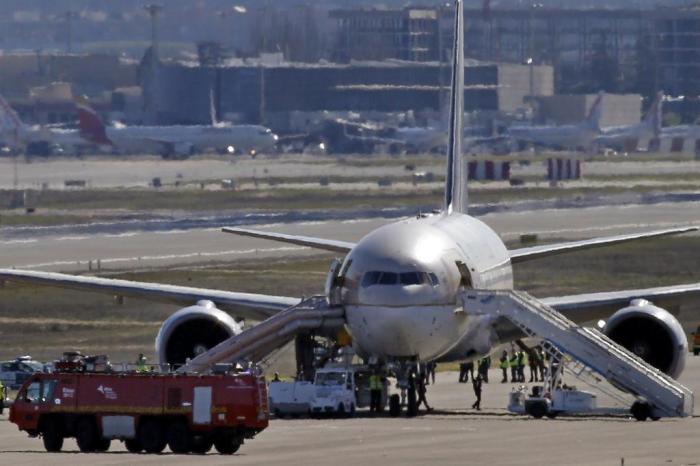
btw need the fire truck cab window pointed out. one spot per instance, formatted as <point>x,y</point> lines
<point>33,394</point>
<point>47,390</point>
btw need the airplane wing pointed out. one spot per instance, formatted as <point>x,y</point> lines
<point>318,243</point>
<point>535,252</point>
<point>593,306</point>
<point>240,305</point>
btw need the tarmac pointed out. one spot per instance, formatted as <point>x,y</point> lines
<point>451,434</point>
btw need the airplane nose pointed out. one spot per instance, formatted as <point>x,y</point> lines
<point>423,331</point>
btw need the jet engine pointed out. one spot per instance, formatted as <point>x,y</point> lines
<point>193,330</point>
<point>651,333</point>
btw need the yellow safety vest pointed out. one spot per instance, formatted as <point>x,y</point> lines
<point>504,364</point>
<point>374,382</point>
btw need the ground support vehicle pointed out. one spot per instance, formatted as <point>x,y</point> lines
<point>291,398</point>
<point>564,401</point>
<point>340,389</point>
<point>187,412</point>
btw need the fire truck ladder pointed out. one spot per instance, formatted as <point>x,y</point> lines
<point>257,342</point>
<point>663,395</point>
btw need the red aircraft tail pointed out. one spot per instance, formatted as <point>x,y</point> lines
<point>91,126</point>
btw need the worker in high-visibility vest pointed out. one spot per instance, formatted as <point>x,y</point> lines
<point>522,361</point>
<point>375,391</point>
<point>3,395</point>
<point>504,366</point>
<point>513,363</point>
<point>141,363</point>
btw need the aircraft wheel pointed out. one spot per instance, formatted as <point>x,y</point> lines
<point>640,410</point>
<point>394,405</point>
<point>103,445</point>
<point>133,445</point>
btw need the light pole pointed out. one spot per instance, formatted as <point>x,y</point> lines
<point>153,11</point>
<point>531,46</point>
<point>69,30</point>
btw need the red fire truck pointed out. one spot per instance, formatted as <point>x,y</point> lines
<point>188,413</point>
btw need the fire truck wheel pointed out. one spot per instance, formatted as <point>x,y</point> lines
<point>151,436</point>
<point>201,445</point>
<point>52,436</point>
<point>227,444</point>
<point>179,439</point>
<point>133,445</point>
<point>103,444</point>
<point>86,435</point>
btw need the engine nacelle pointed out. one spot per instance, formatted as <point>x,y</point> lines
<point>651,333</point>
<point>193,330</point>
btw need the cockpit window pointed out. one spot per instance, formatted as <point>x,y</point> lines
<point>412,278</point>
<point>388,278</point>
<point>404,278</point>
<point>433,279</point>
<point>370,278</point>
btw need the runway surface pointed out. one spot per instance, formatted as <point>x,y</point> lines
<point>138,249</point>
<point>452,434</point>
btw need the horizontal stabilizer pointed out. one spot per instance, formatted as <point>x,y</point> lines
<point>243,305</point>
<point>318,243</point>
<point>536,252</point>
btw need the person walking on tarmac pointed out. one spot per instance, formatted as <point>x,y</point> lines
<point>476,384</point>
<point>484,365</point>
<point>513,362</point>
<point>504,366</point>
<point>141,363</point>
<point>375,392</point>
<point>421,394</point>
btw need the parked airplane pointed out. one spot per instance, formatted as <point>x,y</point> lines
<point>35,140</point>
<point>171,141</point>
<point>621,137</point>
<point>398,290</point>
<point>579,136</point>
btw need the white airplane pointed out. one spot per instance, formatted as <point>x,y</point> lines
<point>174,140</point>
<point>16,135</point>
<point>618,137</point>
<point>579,136</point>
<point>397,290</point>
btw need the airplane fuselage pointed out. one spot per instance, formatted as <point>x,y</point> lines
<point>243,138</point>
<point>401,287</point>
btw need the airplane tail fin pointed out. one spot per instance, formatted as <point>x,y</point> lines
<point>457,169</point>
<point>91,126</point>
<point>652,119</point>
<point>10,123</point>
<point>593,118</point>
